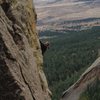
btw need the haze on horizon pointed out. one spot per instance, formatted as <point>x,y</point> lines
<point>63,10</point>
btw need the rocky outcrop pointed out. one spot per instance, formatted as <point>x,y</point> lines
<point>90,76</point>
<point>21,74</point>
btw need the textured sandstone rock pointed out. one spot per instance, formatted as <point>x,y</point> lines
<point>90,76</point>
<point>21,74</point>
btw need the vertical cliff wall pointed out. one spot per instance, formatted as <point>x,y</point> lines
<point>21,74</point>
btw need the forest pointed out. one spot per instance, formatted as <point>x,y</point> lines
<point>69,55</point>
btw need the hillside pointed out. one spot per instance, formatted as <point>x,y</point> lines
<point>52,13</point>
<point>88,78</point>
<point>72,27</point>
<point>69,55</point>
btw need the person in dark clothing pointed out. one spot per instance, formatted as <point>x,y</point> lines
<point>44,46</point>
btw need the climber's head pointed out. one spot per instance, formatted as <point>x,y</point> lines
<point>47,44</point>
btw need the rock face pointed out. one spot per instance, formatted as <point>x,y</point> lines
<point>90,76</point>
<point>21,74</point>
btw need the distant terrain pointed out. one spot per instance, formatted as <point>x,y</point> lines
<point>69,55</point>
<point>67,14</point>
<point>73,29</point>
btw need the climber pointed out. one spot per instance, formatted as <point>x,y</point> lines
<point>44,46</point>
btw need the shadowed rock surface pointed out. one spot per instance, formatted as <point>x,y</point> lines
<point>21,74</point>
<point>89,76</point>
